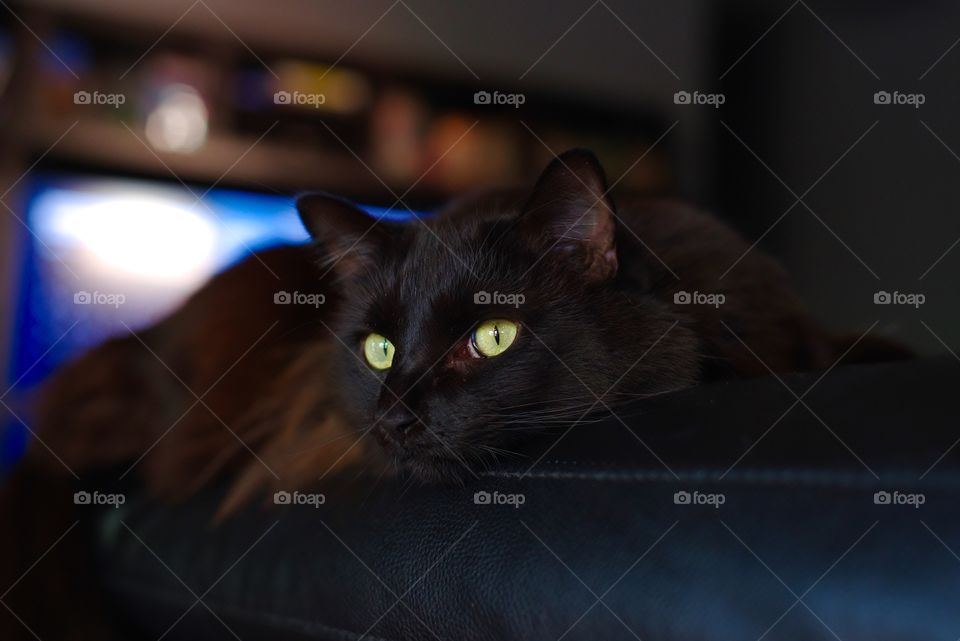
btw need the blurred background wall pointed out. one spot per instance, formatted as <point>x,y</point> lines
<point>772,114</point>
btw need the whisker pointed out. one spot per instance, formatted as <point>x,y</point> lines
<point>376,484</point>
<point>313,448</point>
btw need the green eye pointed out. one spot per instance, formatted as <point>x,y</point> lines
<point>379,351</point>
<point>494,337</point>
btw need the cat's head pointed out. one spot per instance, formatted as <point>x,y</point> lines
<point>501,314</point>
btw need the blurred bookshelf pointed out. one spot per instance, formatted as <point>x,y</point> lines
<point>200,107</point>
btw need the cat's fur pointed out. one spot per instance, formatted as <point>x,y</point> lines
<point>286,397</point>
<point>288,386</point>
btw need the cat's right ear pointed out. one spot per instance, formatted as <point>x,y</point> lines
<point>348,236</point>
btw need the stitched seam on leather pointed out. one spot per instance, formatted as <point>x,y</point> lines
<point>302,626</point>
<point>814,478</point>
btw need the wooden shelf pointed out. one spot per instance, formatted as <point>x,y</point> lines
<point>227,160</point>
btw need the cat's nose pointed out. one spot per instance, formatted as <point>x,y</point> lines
<point>399,424</point>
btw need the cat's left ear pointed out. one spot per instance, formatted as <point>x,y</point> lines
<point>348,236</point>
<point>570,212</point>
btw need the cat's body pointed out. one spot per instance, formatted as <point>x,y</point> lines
<point>284,379</point>
<point>286,397</point>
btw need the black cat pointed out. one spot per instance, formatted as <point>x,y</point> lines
<point>433,336</point>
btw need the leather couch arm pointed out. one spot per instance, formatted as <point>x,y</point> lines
<point>728,512</point>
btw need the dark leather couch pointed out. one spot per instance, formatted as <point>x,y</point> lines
<point>778,531</point>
